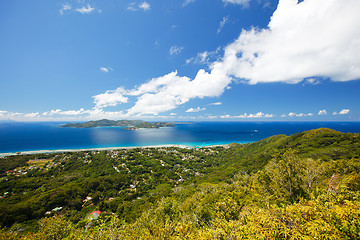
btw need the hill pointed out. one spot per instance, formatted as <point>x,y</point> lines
<point>132,124</point>
<point>284,187</point>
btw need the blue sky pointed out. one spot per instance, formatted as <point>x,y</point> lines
<point>169,60</point>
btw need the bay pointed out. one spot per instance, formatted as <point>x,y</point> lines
<point>20,136</point>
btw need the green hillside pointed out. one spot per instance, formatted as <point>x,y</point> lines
<point>134,124</point>
<point>303,186</point>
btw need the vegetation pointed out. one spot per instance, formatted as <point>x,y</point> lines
<point>131,124</point>
<point>303,186</point>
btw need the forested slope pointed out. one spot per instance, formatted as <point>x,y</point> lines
<point>284,187</point>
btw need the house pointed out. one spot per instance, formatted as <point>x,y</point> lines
<point>95,214</point>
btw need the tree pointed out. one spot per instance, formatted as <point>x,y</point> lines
<point>286,175</point>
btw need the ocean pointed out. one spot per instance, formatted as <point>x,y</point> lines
<point>20,136</point>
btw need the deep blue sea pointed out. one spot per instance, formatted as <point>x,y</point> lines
<point>20,137</point>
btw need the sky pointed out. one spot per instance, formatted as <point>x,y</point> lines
<point>175,60</point>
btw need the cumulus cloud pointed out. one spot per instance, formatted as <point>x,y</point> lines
<point>5,115</point>
<point>110,98</point>
<point>307,39</point>
<point>292,114</point>
<point>64,8</point>
<point>81,111</point>
<point>198,109</point>
<point>222,24</point>
<point>175,50</point>
<point>303,40</point>
<point>165,93</point>
<point>144,6</point>
<point>31,115</point>
<point>344,111</point>
<point>245,115</point>
<point>85,10</point>
<point>135,7</point>
<point>52,112</point>
<point>244,3</point>
<point>322,112</point>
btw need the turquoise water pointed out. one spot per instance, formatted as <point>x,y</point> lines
<point>19,137</point>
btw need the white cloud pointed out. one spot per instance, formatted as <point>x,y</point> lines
<point>31,115</point>
<point>305,40</point>
<point>313,81</point>
<point>74,112</point>
<point>106,69</point>
<point>222,24</point>
<point>145,6</point>
<point>100,114</point>
<point>245,115</point>
<point>322,112</point>
<point>186,2</point>
<point>292,114</point>
<point>81,111</point>
<point>85,10</point>
<point>5,115</point>
<point>216,103</point>
<point>312,38</point>
<point>344,111</point>
<point>52,112</point>
<point>245,3</point>
<point>64,8</point>
<point>204,57</point>
<point>198,109</point>
<point>110,98</point>
<point>175,50</point>
<point>167,92</point>
<point>172,114</point>
<point>135,7</point>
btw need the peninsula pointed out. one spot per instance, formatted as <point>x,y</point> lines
<point>130,124</point>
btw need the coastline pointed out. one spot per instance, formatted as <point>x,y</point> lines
<point>104,149</point>
<point>18,137</point>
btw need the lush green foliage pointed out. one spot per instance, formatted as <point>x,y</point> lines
<point>303,186</point>
<point>125,123</point>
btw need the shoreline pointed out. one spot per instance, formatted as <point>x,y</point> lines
<point>104,149</point>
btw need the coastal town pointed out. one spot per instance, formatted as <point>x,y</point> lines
<point>140,171</point>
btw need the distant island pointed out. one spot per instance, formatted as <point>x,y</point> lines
<point>130,124</point>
